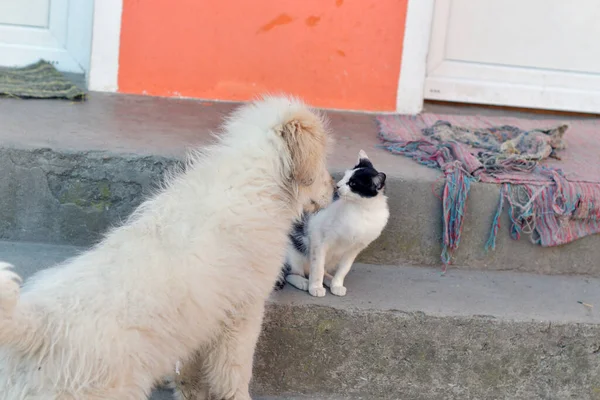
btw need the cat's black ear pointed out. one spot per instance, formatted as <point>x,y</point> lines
<point>379,180</point>
<point>363,160</point>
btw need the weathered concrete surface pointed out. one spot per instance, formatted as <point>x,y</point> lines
<point>167,395</point>
<point>71,197</point>
<point>411,356</point>
<point>109,152</point>
<point>408,333</point>
<point>414,235</point>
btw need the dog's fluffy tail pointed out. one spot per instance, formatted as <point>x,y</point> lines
<point>10,287</point>
<point>17,327</point>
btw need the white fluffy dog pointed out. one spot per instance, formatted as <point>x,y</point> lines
<point>189,271</point>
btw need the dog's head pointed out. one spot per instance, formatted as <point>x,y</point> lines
<point>306,141</point>
<point>362,181</point>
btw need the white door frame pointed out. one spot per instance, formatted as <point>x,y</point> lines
<point>68,52</point>
<point>413,69</point>
<point>104,69</point>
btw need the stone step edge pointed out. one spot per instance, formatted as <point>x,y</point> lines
<point>502,295</point>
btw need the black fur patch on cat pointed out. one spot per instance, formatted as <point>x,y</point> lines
<point>366,181</point>
<point>364,163</point>
<point>336,195</point>
<point>298,234</point>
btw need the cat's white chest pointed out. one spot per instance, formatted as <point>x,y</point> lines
<point>358,226</point>
<point>351,231</point>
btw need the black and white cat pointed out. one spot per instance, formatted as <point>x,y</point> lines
<point>328,241</point>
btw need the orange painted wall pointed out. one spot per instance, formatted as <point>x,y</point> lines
<point>333,53</point>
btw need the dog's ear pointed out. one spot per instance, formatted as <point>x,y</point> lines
<point>306,141</point>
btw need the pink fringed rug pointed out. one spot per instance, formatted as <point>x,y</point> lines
<point>556,202</point>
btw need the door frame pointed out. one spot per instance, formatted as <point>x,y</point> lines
<point>413,69</point>
<point>68,52</point>
<point>104,69</point>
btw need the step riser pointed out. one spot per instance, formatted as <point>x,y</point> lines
<point>414,235</point>
<point>394,355</point>
<point>72,198</point>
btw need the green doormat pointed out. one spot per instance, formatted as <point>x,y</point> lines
<point>38,81</point>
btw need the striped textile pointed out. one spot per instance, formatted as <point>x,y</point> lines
<point>40,80</point>
<point>555,203</point>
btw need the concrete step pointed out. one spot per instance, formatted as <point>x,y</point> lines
<point>168,395</point>
<point>69,171</point>
<point>409,333</point>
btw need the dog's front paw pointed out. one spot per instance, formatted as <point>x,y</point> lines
<point>338,290</point>
<point>317,291</point>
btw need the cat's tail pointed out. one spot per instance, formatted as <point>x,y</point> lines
<point>18,326</point>
<point>286,268</point>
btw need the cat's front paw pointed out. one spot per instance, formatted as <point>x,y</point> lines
<point>338,290</point>
<point>317,291</point>
<point>297,281</point>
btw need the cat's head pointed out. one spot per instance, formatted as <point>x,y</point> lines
<point>362,181</point>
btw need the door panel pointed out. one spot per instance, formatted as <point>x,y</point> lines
<point>31,30</point>
<point>525,53</point>
<point>25,12</point>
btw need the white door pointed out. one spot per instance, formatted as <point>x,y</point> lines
<point>58,31</point>
<point>523,53</point>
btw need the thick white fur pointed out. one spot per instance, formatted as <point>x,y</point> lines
<point>190,270</point>
<point>336,235</point>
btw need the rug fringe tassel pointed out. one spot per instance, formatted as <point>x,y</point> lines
<point>456,193</point>
<point>491,242</point>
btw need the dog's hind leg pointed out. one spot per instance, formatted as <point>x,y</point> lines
<point>186,392</point>
<point>230,360</point>
<point>190,383</point>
